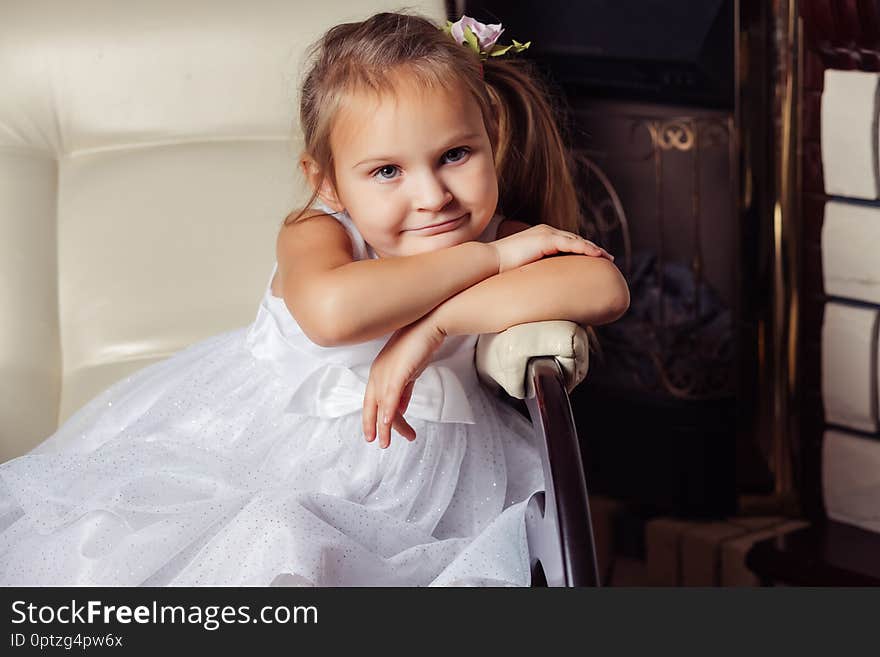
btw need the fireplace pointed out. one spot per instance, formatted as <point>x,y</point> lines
<point>671,110</point>
<point>658,410</point>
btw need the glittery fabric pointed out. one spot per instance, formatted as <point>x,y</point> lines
<point>196,471</point>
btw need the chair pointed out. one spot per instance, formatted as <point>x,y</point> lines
<point>542,362</point>
<point>129,132</point>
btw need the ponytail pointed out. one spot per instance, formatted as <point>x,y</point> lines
<point>533,164</point>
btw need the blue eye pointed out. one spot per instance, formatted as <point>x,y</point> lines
<point>461,149</point>
<point>379,171</point>
<point>387,172</point>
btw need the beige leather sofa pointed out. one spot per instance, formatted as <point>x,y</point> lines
<point>147,158</point>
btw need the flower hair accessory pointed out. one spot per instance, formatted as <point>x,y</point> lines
<point>482,39</point>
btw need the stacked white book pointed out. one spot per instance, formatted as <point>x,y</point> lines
<point>851,270</point>
<point>849,134</point>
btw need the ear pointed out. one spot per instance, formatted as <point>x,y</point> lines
<point>326,192</point>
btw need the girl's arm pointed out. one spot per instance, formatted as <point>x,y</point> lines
<point>376,297</point>
<point>586,290</point>
<point>338,301</point>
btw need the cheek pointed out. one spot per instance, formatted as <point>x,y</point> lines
<point>489,177</point>
<point>377,230</point>
<point>478,184</point>
<point>487,189</point>
<point>492,184</point>
<point>373,233</point>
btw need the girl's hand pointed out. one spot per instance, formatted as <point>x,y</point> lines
<point>392,375</point>
<point>538,241</point>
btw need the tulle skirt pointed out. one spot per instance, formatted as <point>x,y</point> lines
<point>191,473</point>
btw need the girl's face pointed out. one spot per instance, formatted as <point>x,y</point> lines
<point>408,162</point>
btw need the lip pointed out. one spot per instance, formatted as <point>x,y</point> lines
<point>439,228</point>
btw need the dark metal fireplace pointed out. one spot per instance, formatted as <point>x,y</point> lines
<point>671,108</point>
<point>658,411</point>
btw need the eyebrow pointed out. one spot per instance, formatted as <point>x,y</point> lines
<point>388,158</point>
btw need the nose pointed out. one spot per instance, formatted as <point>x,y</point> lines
<point>432,194</point>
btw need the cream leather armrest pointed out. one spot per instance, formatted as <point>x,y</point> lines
<point>501,358</point>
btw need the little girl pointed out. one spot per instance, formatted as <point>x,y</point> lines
<point>440,184</point>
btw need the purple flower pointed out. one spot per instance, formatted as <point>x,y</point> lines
<point>486,35</point>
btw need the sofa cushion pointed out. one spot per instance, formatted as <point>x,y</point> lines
<point>147,158</point>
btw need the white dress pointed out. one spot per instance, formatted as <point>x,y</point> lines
<point>241,461</point>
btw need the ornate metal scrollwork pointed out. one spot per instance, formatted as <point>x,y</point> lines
<point>606,222</point>
<point>677,134</point>
<point>678,346</point>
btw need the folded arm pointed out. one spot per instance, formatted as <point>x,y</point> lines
<point>338,301</point>
<point>587,290</point>
<point>376,297</point>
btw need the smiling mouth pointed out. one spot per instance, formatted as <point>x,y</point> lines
<point>447,225</point>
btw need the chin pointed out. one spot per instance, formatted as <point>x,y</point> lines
<point>437,242</point>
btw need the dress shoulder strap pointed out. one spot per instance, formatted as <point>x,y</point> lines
<point>362,250</point>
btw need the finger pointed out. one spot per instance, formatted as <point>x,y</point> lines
<point>573,239</point>
<point>403,427</point>
<point>387,410</point>
<point>399,423</point>
<point>603,252</point>
<point>369,415</point>
<point>595,249</point>
<point>372,432</point>
<point>385,427</point>
<point>579,244</point>
<point>566,242</point>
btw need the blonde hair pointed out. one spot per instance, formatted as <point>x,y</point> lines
<point>533,165</point>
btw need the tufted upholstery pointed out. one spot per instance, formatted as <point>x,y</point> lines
<point>146,161</point>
